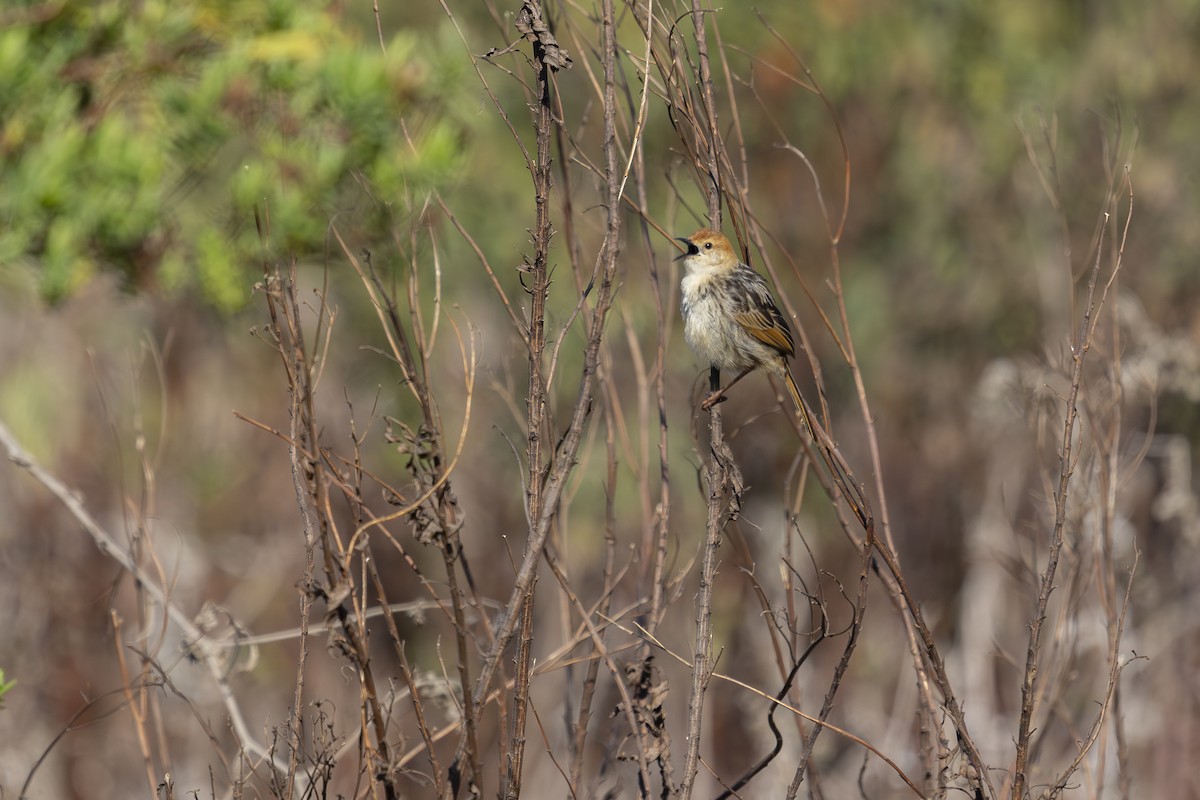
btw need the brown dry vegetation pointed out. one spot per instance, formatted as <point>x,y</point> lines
<point>449,521</point>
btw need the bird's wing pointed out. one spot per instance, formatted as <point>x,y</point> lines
<point>760,317</point>
<point>768,328</point>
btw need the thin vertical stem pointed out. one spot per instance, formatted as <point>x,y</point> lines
<point>538,288</point>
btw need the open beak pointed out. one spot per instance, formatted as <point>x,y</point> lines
<point>690,251</point>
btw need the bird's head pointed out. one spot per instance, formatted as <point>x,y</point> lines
<point>707,250</point>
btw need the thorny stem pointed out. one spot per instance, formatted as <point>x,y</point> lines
<point>538,288</point>
<point>1079,350</point>
<point>720,477</point>
<point>710,110</point>
<point>306,596</point>
<point>552,479</point>
<point>720,473</point>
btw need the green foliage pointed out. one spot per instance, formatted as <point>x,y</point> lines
<point>4,687</point>
<point>145,139</point>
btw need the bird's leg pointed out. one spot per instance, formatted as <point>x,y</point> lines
<point>714,381</point>
<point>714,385</point>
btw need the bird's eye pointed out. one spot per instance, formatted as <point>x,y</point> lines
<point>708,245</point>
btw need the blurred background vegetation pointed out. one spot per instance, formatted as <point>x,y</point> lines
<point>154,155</point>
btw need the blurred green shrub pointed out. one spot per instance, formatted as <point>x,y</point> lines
<point>143,138</point>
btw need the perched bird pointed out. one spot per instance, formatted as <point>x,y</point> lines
<point>730,318</point>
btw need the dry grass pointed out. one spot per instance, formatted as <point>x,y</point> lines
<point>489,545</point>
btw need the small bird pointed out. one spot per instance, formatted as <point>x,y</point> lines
<point>730,318</point>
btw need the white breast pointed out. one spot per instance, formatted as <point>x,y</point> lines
<point>706,327</point>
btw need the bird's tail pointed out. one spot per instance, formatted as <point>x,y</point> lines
<point>801,408</point>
